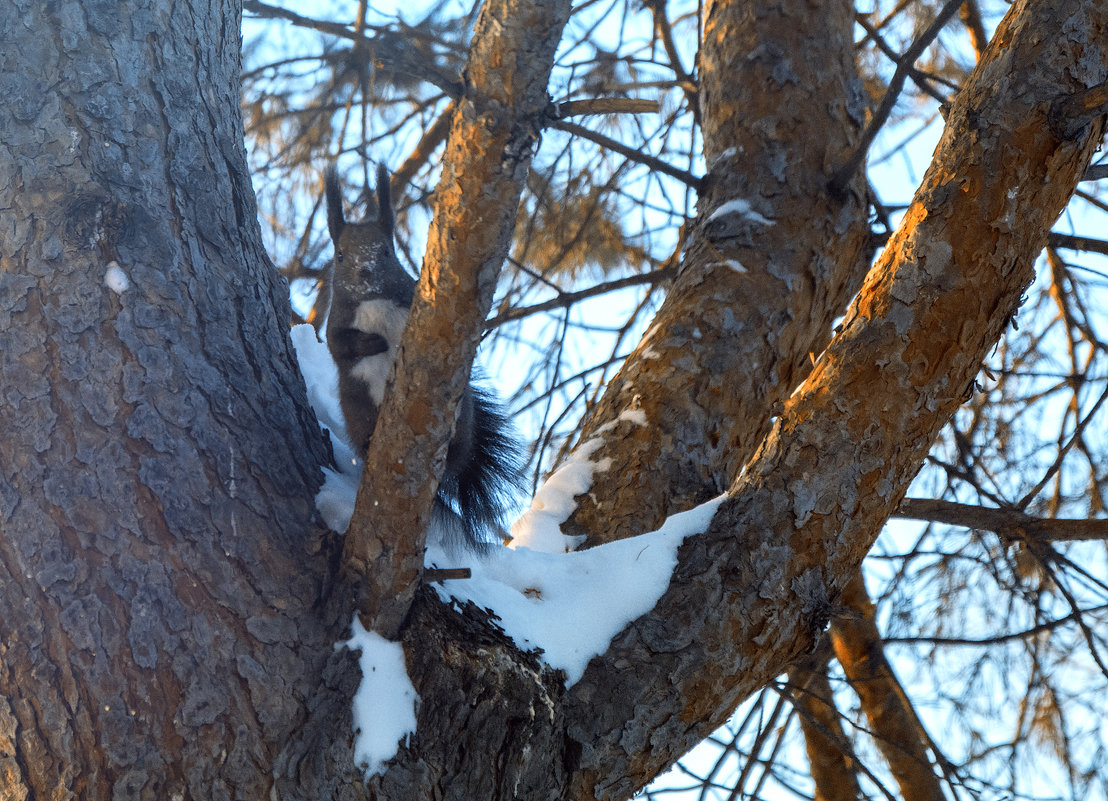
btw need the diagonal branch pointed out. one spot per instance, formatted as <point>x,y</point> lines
<point>904,67</point>
<point>765,254</point>
<point>830,757</point>
<point>754,591</point>
<point>488,154</point>
<point>893,722</point>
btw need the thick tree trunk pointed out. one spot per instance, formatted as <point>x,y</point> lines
<point>158,566</point>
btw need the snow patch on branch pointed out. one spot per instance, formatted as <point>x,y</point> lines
<point>548,597</point>
<point>740,206</point>
<point>733,264</point>
<point>571,605</point>
<point>539,528</point>
<point>634,416</point>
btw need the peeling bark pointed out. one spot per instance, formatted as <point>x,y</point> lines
<point>758,286</point>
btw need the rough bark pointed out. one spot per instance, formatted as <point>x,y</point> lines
<point>754,591</point>
<point>158,566</point>
<point>162,633</point>
<point>497,123</point>
<point>730,342</point>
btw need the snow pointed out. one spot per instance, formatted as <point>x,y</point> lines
<point>321,377</point>
<point>571,605</point>
<point>115,279</point>
<point>636,416</point>
<point>335,499</point>
<point>385,704</point>
<point>539,527</point>
<point>547,597</point>
<point>738,206</point>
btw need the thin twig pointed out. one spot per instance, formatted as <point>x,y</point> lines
<point>420,70</point>
<point>567,299</point>
<point>628,152</point>
<point>1049,625</point>
<point>903,68</point>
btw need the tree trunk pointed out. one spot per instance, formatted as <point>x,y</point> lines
<point>159,567</point>
<point>760,282</point>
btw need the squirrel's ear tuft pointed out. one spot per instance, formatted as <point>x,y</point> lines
<point>335,219</point>
<point>384,200</point>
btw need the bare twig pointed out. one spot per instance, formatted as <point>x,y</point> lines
<point>423,71</point>
<point>903,67</point>
<point>664,29</point>
<point>999,639</point>
<point>629,152</point>
<point>567,299</point>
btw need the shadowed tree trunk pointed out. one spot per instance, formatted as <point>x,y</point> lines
<point>169,606</point>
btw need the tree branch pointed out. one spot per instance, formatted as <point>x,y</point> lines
<point>1006,522</point>
<point>830,756</point>
<point>487,157</point>
<point>699,433</point>
<point>893,722</point>
<point>564,300</point>
<point>630,153</point>
<point>605,105</point>
<point>754,591</point>
<point>904,67</point>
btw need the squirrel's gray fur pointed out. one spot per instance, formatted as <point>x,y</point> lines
<point>371,295</point>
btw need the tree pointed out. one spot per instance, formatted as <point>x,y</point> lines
<point>170,599</point>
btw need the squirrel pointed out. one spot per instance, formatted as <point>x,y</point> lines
<point>370,296</point>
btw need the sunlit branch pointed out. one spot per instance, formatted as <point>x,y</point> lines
<point>1011,522</point>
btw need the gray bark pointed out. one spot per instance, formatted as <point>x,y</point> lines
<point>158,561</point>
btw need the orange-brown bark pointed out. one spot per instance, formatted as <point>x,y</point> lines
<point>892,720</point>
<point>755,590</point>
<point>833,769</point>
<point>488,151</point>
<point>758,287</point>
